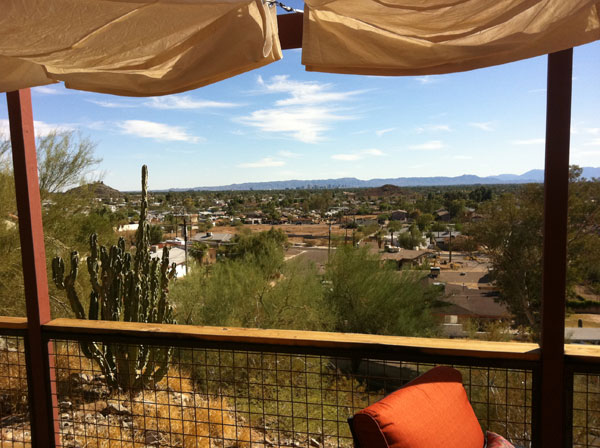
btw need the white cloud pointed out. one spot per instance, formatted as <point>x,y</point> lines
<point>4,129</point>
<point>41,128</point>
<point>537,91</point>
<point>484,126</point>
<point>433,128</point>
<point>167,103</point>
<point>347,157</point>
<point>303,92</point>
<point>593,142</point>
<point>156,131</point>
<point>593,131</point>
<point>47,90</point>
<point>380,132</point>
<point>428,79</point>
<point>267,162</point>
<point>185,102</point>
<point>289,154</point>
<point>350,157</point>
<point>580,153</point>
<point>303,116</point>
<point>306,124</point>
<point>373,152</point>
<point>112,104</point>
<point>461,157</point>
<point>428,146</point>
<point>529,141</point>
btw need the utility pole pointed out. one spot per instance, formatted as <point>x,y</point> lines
<point>329,241</point>
<point>346,225</point>
<point>184,234</point>
<point>185,239</point>
<point>450,244</point>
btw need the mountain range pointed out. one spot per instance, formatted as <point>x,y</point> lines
<point>532,176</point>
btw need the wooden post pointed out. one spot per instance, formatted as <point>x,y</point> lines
<point>556,196</point>
<point>42,396</point>
<point>290,30</point>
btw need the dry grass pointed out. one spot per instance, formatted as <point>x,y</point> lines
<point>589,320</point>
<point>170,414</point>
<point>13,382</point>
<point>242,400</point>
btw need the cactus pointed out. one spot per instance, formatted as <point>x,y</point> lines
<point>123,288</point>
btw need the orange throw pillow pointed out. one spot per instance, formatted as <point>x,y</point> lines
<point>431,411</point>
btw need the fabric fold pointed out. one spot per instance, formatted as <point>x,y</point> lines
<point>426,37</point>
<point>134,47</point>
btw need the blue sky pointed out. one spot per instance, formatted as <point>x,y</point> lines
<point>281,122</point>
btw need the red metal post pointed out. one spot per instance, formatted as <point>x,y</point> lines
<point>43,411</point>
<point>556,198</point>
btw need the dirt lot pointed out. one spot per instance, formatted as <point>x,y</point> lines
<point>310,229</point>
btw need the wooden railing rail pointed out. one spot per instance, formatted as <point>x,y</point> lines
<point>13,323</point>
<point>290,339</point>
<point>476,352</point>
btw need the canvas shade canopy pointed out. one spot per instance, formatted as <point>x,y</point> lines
<point>133,47</point>
<point>159,47</point>
<point>424,37</point>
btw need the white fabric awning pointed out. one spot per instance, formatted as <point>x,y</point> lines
<point>423,37</point>
<point>159,47</point>
<point>133,47</point>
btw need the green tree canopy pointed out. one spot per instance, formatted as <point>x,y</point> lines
<point>511,232</point>
<point>368,297</point>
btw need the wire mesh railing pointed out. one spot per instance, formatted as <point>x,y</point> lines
<point>226,397</point>
<point>15,428</point>
<point>260,388</point>
<point>586,409</point>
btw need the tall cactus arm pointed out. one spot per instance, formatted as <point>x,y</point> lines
<point>58,272</point>
<point>93,310</point>
<point>141,236</point>
<point>93,266</point>
<point>68,283</point>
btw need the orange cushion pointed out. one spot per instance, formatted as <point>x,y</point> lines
<point>431,411</point>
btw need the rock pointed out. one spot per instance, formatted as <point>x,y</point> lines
<point>152,437</point>
<point>65,405</point>
<point>115,408</point>
<point>86,378</point>
<point>13,419</point>
<point>182,398</point>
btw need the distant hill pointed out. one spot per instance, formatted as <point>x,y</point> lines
<point>97,189</point>
<point>532,176</point>
<point>384,190</point>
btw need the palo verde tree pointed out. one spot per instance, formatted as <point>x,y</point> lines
<point>64,159</point>
<point>124,287</point>
<point>366,296</point>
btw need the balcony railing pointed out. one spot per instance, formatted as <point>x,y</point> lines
<point>229,387</point>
